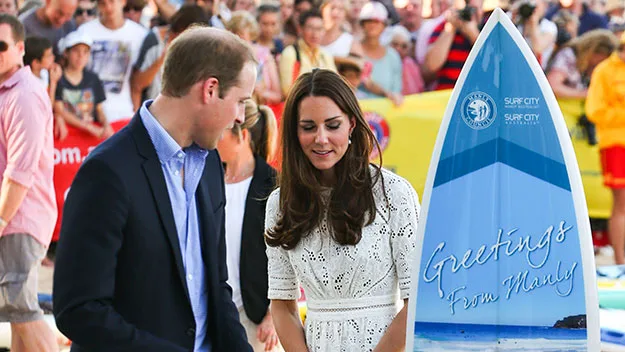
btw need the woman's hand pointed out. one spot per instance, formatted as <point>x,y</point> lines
<point>266,333</point>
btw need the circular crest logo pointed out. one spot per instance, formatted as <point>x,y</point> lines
<point>478,110</point>
<point>380,129</point>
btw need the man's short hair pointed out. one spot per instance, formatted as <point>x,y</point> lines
<point>34,47</point>
<point>303,18</point>
<point>17,28</point>
<point>200,53</point>
<point>266,8</point>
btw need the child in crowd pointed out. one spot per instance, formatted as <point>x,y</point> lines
<point>38,55</point>
<point>351,68</point>
<point>80,93</point>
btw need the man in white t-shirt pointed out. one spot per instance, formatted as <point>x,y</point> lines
<point>116,44</point>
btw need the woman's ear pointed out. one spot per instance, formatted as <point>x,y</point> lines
<point>245,136</point>
<point>352,125</point>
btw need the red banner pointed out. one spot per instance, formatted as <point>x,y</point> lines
<point>68,156</point>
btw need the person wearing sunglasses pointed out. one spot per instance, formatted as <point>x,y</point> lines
<point>85,12</point>
<point>53,21</point>
<point>134,10</point>
<point>26,143</point>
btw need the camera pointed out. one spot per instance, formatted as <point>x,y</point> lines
<point>466,14</point>
<point>526,9</point>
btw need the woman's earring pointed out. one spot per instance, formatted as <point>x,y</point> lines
<point>349,141</point>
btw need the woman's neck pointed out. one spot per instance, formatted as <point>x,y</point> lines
<point>332,34</point>
<point>371,43</point>
<point>241,167</point>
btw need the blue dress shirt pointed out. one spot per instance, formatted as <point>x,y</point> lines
<point>175,163</point>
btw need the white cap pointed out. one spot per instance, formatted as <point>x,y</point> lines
<point>73,39</point>
<point>373,10</point>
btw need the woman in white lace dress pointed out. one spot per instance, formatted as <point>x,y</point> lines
<point>341,228</point>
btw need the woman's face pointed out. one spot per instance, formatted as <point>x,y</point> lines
<point>334,14</point>
<point>323,131</point>
<point>244,33</point>
<point>354,9</point>
<point>401,46</point>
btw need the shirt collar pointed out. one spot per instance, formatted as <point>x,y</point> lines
<point>165,145</point>
<point>313,53</point>
<point>16,77</point>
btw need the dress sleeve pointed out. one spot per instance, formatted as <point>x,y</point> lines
<point>404,232</point>
<point>283,282</point>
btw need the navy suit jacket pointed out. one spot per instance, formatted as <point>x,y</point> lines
<point>119,282</point>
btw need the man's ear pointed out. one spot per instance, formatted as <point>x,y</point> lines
<point>210,89</point>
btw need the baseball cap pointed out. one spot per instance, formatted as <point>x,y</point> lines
<point>73,39</point>
<point>373,10</point>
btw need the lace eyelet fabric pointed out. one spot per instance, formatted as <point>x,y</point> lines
<point>353,292</point>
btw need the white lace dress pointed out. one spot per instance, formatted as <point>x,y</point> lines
<point>352,292</point>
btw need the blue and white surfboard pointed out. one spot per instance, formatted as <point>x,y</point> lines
<point>504,260</point>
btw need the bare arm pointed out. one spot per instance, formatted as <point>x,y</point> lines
<point>557,80</point>
<point>139,80</point>
<point>75,121</point>
<point>439,50</point>
<point>166,9</point>
<point>394,339</point>
<point>288,325</point>
<point>11,197</point>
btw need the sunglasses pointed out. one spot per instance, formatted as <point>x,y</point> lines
<point>4,46</point>
<point>401,45</point>
<point>80,12</point>
<point>136,8</point>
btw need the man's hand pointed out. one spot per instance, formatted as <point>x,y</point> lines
<point>266,333</point>
<point>94,130</point>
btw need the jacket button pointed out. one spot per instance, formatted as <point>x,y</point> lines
<point>191,332</point>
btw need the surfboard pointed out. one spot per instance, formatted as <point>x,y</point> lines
<point>504,259</point>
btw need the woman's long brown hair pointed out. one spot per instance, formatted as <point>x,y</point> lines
<point>351,205</point>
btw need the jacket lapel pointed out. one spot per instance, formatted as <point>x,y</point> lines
<point>154,174</point>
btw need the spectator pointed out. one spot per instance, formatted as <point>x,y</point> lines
<point>567,22</point>
<point>9,7</point>
<point>148,69</point>
<point>242,5</point>
<point>353,23</point>
<point>269,22</point>
<point>410,18</point>
<point>116,45</point>
<point>450,45</point>
<point>539,32</point>
<point>351,68</point>
<point>570,71</point>
<point>27,203</point>
<point>85,12</point>
<point>292,30</point>
<point>286,10</point>
<point>614,8</point>
<point>617,26</point>
<point>605,107</point>
<point>336,41</point>
<point>588,19</point>
<point>134,9</point>
<point>422,44</point>
<point>386,66</point>
<point>80,93</point>
<point>412,82</point>
<point>38,55</point>
<point>245,150</point>
<point>52,21</point>
<point>267,89</point>
<point>306,53</point>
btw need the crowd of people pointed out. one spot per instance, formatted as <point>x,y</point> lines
<point>160,220</point>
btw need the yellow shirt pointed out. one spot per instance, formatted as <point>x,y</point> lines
<point>309,59</point>
<point>605,104</point>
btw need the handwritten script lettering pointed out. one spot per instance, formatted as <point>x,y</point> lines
<point>507,244</point>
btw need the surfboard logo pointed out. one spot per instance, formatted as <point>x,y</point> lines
<point>380,129</point>
<point>478,110</point>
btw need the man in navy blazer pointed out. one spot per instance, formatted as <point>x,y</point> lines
<point>141,261</point>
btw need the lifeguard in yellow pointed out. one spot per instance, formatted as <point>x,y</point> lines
<point>306,53</point>
<point>605,107</point>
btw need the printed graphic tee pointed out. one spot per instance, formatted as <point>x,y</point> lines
<point>113,54</point>
<point>82,99</point>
